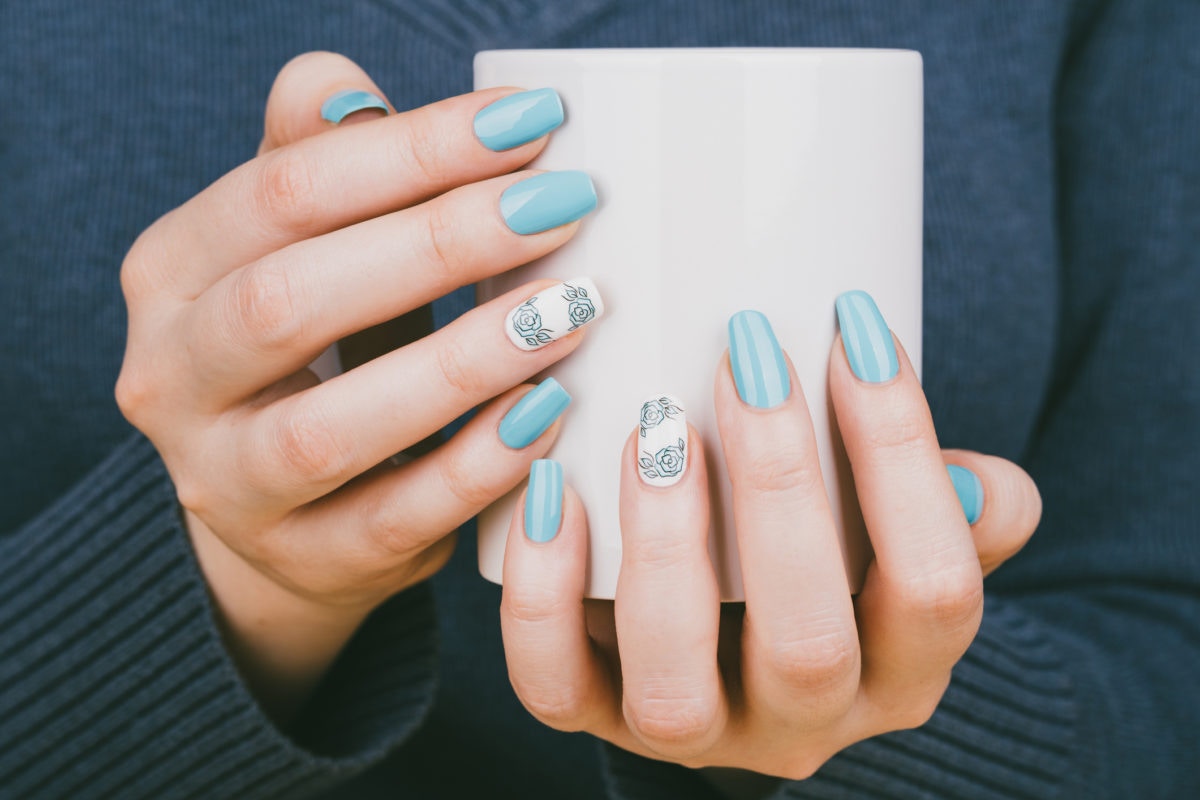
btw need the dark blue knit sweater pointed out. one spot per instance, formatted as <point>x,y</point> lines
<point>1062,326</point>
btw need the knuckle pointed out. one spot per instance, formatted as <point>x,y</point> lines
<point>287,191</point>
<point>783,469</point>
<point>532,605</point>
<point>815,663</point>
<point>463,480</point>
<point>951,597</point>
<point>457,371</point>
<point>441,250</point>
<point>134,392</point>
<point>562,705</point>
<point>905,428</point>
<point>135,273</point>
<point>264,305</point>
<point>802,768</point>
<point>306,449</point>
<point>660,550</point>
<point>681,725</point>
<point>421,150</point>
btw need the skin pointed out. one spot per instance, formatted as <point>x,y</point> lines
<point>301,523</point>
<point>803,669</point>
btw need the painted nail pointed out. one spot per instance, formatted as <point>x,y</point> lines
<point>546,201</point>
<point>543,501</point>
<point>662,441</point>
<point>969,489</point>
<point>343,104</point>
<point>759,371</point>
<point>535,412</point>
<point>868,341</point>
<point>553,313</point>
<point>518,118</point>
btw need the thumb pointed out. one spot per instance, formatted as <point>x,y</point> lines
<point>1001,501</point>
<point>315,91</point>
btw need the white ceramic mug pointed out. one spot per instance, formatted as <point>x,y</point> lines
<point>729,179</point>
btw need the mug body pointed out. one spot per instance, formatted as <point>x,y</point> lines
<point>728,179</point>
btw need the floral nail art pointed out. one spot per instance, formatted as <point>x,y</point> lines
<point>662,439</point>
<point>553,313</point>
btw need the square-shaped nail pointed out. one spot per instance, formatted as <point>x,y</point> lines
<point>546,201</point>
<point>533,414</point>
<point>553,313</point>
<point>518,118</point>
<point>342,104</point>
<point>662,452</point>
<point>544,500</point>
<point>759,369</point>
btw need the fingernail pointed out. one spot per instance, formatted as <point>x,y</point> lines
<point>868,341</point>
<point>543,500</point>
<point>536,412</point>
<point>546,201</point>
<point>662,441</point>
<point>969,489</point>
<point>518,118</point>
<point>759,370</point>
<point>553,313</point>
<point>343,104</point>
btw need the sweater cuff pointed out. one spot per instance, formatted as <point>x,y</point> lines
<point>116,681</point>
<point>1004,729</point>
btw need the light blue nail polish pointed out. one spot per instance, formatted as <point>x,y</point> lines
<point>969,489</point>
<point>343,104</point>
<point>518,118</point>
<point>546,201</point>
<point>535,412</point>
<point>759,370</point>
<point>543,501</point>
<point>868,341</point>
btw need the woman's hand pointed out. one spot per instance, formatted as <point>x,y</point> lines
<point>301,523</point>
<point>806,669</point>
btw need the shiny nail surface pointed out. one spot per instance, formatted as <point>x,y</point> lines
<point>519,118</point>
<point>759,370</point>
<point>868,342</point>
<point>553,313</point>
<point>533,414</point>
<point>546,201</point>
<point>343,104</point>
<point>969,489</point>
<point>543,500</point>
<point>662,453</point>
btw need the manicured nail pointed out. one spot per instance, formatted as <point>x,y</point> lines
<point>969,489</point>
<point>536,412</point>
<point>546,201</point>
<point>759,370</point>
<point>553,313</point>
<point>662,441</point>
<point>868,341</point>
<point>343,104</point>
<point>543,501</point>
<point>519,118</point>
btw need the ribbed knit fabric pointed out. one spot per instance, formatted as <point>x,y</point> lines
<point>1062,312</point>
<point>115,682</point>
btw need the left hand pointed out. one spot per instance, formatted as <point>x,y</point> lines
<point>803,669</point>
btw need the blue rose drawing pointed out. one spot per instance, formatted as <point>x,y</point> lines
<point>527,322</point>
<point>655,411</point>
<point>580,311</point>
<point>666,463</point>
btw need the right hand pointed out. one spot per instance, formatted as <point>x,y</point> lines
<point>300,523</point>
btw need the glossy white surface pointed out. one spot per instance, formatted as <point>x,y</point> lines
<point>728,179</point>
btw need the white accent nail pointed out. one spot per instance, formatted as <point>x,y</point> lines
<point>553,313</point>
<point>662,452</point>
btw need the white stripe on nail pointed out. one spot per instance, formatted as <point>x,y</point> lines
<point>662,441</point>
<point>553,313</point>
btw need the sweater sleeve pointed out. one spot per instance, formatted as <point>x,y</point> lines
<point>115,682</point>
<point>1081,682</point>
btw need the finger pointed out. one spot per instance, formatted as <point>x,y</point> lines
<point>922,599</point>
<point>367,534</point>
<point>552,663</point>
<point>315,91</point>
<point>270,318</point>
<point>800,643</point>
<point>317,185</point>
<point>309,444</point>
<point>667,601</point>
<point>1001,503</point>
